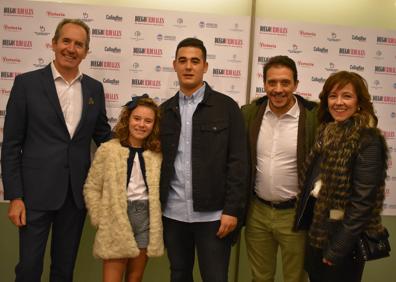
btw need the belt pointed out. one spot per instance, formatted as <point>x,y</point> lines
<point>289,204</point>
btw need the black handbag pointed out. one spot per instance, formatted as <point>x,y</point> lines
<point>371,247</point>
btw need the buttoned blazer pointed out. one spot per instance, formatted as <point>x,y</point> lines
<point>39,158</point>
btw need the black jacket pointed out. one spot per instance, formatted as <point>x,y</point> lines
<point>218,158</point>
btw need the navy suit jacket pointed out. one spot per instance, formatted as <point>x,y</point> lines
<point>39,159</point>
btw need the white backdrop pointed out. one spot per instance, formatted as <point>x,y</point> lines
<point>132,51</point>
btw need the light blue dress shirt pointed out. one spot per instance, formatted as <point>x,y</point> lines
<point>180,202</point>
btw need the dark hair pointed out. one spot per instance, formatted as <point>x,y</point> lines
<point>192,42</point>
<point>121,129</point>
<point>76,22</point>
<point>283,61</point>
<point>341,79</point>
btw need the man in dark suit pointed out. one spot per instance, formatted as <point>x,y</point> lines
<point>52,115</point>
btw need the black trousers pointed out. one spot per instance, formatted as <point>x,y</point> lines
<point>66,225</point>
<point>182,238</point>
<point>350,270</point>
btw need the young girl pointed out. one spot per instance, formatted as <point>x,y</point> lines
<point>122,193</point>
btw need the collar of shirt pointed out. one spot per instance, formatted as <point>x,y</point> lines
<point>195,98</point>
<point>56,75</point>
<point>294,111</point>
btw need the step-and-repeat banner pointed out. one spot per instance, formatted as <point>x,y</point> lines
<point>132,50</point>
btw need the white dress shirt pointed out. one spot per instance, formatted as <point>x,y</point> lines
<point>137,189</point>
<point>276,170</point>
<point>70,98</point>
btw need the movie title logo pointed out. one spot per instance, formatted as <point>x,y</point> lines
<point>111,81</point>
<point>305,64</point>
<point>306,33</point>
<point>106,33</point>
<point>145,20</point>
<point>359,38</point>
<point>318,79</point>
<point>146,83</point>
<point>350,52</point>
<point>333,37</point>
<point>18,12</point>
<point>115,18</point>
<point>385,70</point>
<point>331,67</point>
<point>202,24</point>
<point>5,92</point>
<point>229,42</point>
<point>391,100</point>
<point>273,30</point>
<point>114,50</point>
<point>322,50</point>
<point>42,31</point>
<point>12,28</point>
<point>56,14</point>
<point>382,40</point>
<point>264,45</point>
<point>111,97</point>
<point>294,49</point>
<point>226,73</point>
<point>356,68</point>
<point>149,52</point>
<point>8,75</point>
<point>161,37</point>
<point>17,44</point>
<point>105,65</point>
<point>8,60</point>
<point>263,60</point>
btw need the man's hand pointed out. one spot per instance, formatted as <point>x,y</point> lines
<point>227,225</point>
<point>17,212</point>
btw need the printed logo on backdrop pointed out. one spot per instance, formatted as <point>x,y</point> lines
<point>180,23</point>
<point>115,18</point>
<point>147,52</point>
<point>137,36</point>
<point>149,20</point>
<point>18,12</point>
<point>161,37</point>
<point>260,76</point>
<point>210,56</point>
<point>331,67</point>
<point>135,68</point>
<point>234,59</point>
<point>294,49</point>
<point>260,91</point>
<point>2,115</point>
<point>106,33</point>
<point>85,17</point>
<point>12,28</point>
<point>227,73</point>
<point>317,79</point>
<point>112,120</point>
<point>236,28</point>
<point>351,52</point>
<point>174,86</point>
<point>114,50</point>
<point>5,92</point>
<point>308,34</point>
<point>359,38</point>
<point>42,31</point>
<point>112,99</point>
<point>9,60</point>
<point>392,115</point>
<point>305,94</point>
<point>262,60</point>
<point>376,85</point>
<point>105,65</point>
<point>321,50</point>
<point>333,37</point>
<point>40,63</point>
<point>158,68</point>
<point>8,75</point>
<point>52,14</point>
<point>385,70</point>
<point>228,42</point>
<point>146,83</point>
<point>17,44</point>
<point>112,81</point>
<point>388,134</point>
<point>232,90</point>
<point>304,64</point>
<point>378,55</point>
<point>273,30</point>
<point>382,40</point>
<point>356,68</point>
<point>264,45</point>
<point>380,99</point>
<point>202,24</point>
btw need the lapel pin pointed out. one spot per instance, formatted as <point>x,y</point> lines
<point>91,101</point>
